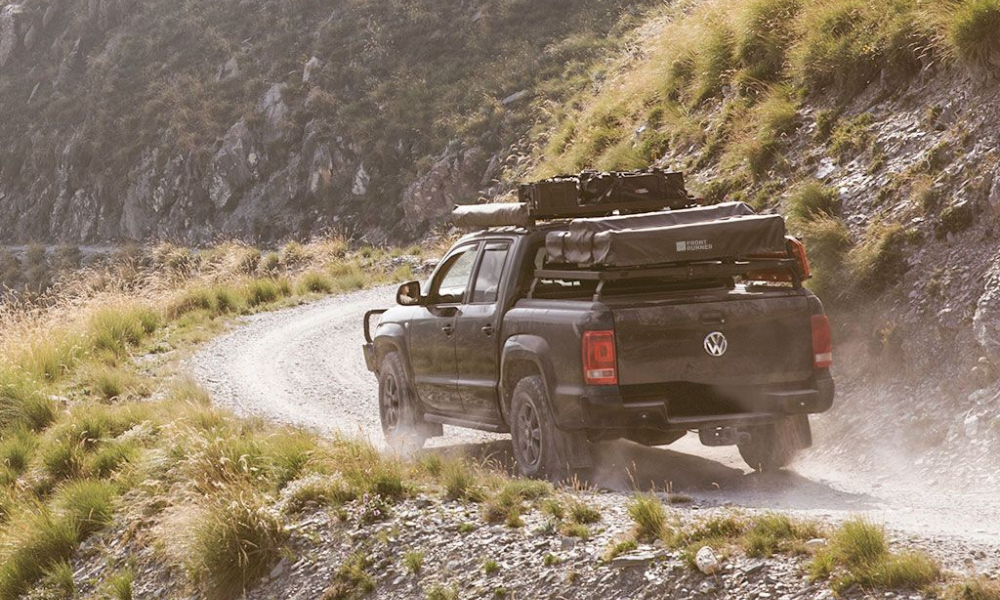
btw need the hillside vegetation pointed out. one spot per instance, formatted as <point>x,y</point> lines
<point>753,98</point>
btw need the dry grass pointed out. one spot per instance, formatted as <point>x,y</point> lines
<point>63,465</point>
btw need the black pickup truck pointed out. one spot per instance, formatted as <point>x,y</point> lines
<point>502,338</point>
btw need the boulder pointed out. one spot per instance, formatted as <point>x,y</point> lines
<point>10,30</point>
<point>309,71</point>
<point>986,321</point>
<point>453,178</point>
<point>706,561</point>
<point>272,106</point>
<point>231,166</point>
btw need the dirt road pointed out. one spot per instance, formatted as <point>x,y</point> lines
<point>304,366</point>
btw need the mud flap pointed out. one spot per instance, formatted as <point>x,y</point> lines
<point>803,432</point>
<point>574,449</point>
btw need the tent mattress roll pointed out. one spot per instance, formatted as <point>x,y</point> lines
<point>500,214</point>
<point>701,240</point>
<point>575,245</point>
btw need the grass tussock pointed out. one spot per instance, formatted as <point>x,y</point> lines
<point>973,589</point>
<point>235,541</point>
<point>858,554</point>
<point>649,516</point>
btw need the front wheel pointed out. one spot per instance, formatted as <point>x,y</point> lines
<point>402,419</point>
<point>541,449</point>
<point>775,445</point>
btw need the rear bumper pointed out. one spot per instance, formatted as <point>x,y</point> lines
<point>611,413</point>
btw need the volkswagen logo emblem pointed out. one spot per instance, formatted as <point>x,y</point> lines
<point>716,344</point>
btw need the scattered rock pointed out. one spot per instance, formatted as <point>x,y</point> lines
<point>706,561</point>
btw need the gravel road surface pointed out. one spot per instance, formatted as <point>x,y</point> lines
<point>304,366</point>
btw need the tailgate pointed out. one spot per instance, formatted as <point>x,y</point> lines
<point>767,339</point>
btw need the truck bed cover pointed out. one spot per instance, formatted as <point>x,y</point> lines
<point>721,231</point>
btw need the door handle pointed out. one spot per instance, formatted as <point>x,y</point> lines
<point>448,329</point>
<point>488,330</point>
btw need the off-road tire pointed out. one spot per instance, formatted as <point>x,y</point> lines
<point>542,450</point>
<point>774,446</point>
<point>398,408</point>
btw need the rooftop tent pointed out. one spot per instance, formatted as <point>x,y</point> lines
<point>729,230</point>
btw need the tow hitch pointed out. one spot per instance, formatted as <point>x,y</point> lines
<point>723,436</point>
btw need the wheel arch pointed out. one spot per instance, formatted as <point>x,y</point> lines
<point>524,356</point>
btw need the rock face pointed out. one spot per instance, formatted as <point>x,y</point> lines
<point>453,179</point>
<point>986,320</point>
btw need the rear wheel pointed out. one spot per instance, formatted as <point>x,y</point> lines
<point>775,445</point>
<point>402,419</point>
<point>541,449</point>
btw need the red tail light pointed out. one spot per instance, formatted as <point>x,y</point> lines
<point>600,364</point>
<point>822,342</point>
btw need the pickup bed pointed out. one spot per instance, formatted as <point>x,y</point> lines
<point>497,340</point>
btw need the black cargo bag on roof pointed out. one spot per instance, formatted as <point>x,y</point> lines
<point>595,194</point>
<point>656,184</point>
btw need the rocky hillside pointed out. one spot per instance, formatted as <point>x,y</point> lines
<point>266,119</point>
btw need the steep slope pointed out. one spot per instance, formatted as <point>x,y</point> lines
<point>873,126</point>
<point>266,119</point>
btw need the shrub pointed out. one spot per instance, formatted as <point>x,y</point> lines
<point>583,514</point>
<point>460,482</point>
<point>316,490</point>
<point>440,592</point>
<point>811,200</point>
<point>765,31</point>
<point>713,60</point>
<point>88,504</point>
<point>34,544</point>
<point>827,242</point>
<point>970,30</point>
<point>110,383</point>
<point>351,579</point>
<point>316,283</point>
<point>235,541</point>
<point>115,330</point>
<point>616,549</point>
<point>262,291</point>
<point>954,218</point>
<point>650,519</point>
<point>16,448</point>
<point>973,589</point>
<point>119,585</point>
<point>413,561</point>
<point>22,404</point>
<point>774,533</point>
<point>880,260</point>
<point>199,298</point>
<point>110,458</point>
<point>59,577</point>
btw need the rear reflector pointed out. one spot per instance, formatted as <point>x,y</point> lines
<point>822,342</point>
<point>600,364</point>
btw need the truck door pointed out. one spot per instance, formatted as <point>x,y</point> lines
<point>432,332</point>
<point>477,334</point>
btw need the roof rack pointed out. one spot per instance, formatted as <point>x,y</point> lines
<point>675,272</point>
<point>587,194</point>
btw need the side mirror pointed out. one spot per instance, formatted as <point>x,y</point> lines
<point>408,294</point>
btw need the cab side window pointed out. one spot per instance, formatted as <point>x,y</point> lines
<point>487,287</point>
<point>452,280</point>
